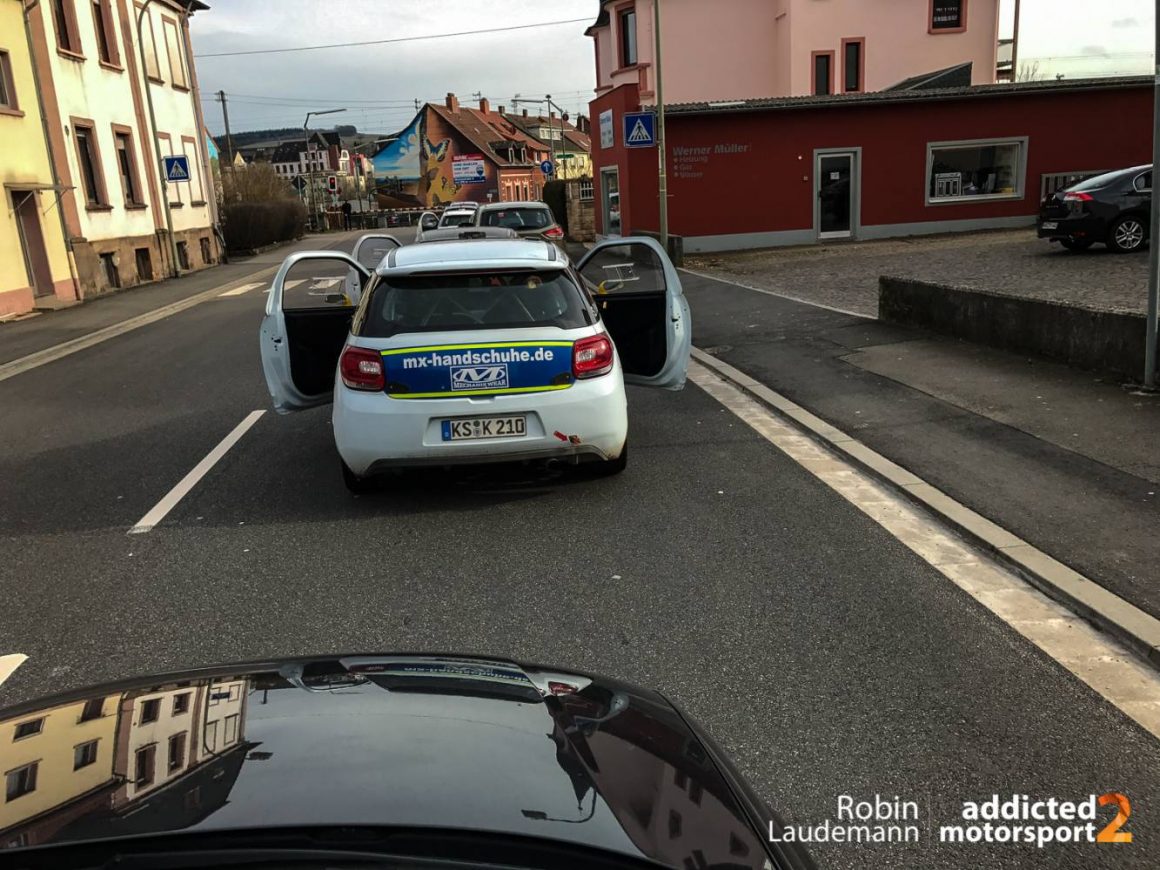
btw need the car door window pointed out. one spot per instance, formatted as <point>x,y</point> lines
<point>624,269</point>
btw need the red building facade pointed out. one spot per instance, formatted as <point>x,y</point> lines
<point>763,173</point>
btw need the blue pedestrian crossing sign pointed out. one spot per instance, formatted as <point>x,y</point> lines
<point>546,167</point>
<point>640,130</point>
<point>176,168</point>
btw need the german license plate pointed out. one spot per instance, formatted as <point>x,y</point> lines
<point>1050,225</point>
<point>479,428</point>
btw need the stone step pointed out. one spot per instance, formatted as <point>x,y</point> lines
<point>53,303</point>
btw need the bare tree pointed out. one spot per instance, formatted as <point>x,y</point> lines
<point>1029,72</point>
<point>258,182</point>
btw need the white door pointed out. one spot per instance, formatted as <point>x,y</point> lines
<point>643,307</point>
<point>306,326</point>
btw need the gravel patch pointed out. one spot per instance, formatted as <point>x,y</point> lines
<point>845,275</point>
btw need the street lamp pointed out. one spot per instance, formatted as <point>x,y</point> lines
<point>306,142</point>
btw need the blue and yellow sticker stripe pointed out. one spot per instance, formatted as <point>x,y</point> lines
<point>483,344</point>
<point>503,392</point>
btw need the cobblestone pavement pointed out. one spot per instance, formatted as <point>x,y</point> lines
<point>845,275</point>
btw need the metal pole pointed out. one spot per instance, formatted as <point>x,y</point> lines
<point>1015,47</point>
<point>662,178</point>
<point>226,122</point>
<point>1154,243</point>
<point>309,171</point>
<point>156,137</point>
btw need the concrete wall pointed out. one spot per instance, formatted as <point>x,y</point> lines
<point>1085,338</point>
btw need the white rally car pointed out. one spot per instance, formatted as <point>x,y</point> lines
<point>465,352</point>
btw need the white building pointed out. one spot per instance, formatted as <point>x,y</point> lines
<point>96,92</point>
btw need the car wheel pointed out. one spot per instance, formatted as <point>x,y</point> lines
<point>607,467</point>
<point>1075,244</point>
<point>1127,234</point>
<point>357,485</point>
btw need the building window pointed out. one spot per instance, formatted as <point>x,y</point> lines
<point>853,65</point>
<point>93,709</point>
<point>627,22</point>
<point>89,158</point>
<point>823,72</point>
<point>109,265</point>
<point>183,256</point>
<point>21,781</point>
<point>64,19</point>
<point>196,191</point>
<point>235,692</point>
<point>173,190</point>
<point>29,729</point>
<point>150,711</point>
<point>143,769</point>
<point>106,33</point>
<point>177,752</point>
<point>7,85</point>
<point>231,729</point>
<point>85,754</point>
<point>145,273</point>
<point>587,190</point>
<point>975,170</point>
<point>127,164</point>
<point>674,824</point>
<point>180,702</point>
<point>210,740</point>
<point>177,73</point>
<point>152,67</point>
<point>948,16</point>
<point>696,790</point>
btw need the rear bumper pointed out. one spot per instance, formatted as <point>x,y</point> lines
<point>1088,228</point>
<point>586,422</point>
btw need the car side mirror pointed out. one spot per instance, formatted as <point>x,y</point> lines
<point>429,222</point>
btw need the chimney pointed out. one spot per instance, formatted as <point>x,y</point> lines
<point>525,113</point>
<point>484,106</point>
<point>503,110</point>
<point>452,103</point>
<point>551,114</point>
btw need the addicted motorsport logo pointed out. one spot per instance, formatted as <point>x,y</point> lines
<point>1018,819</point>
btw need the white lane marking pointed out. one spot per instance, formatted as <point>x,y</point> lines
<point>1105,665</point>
<point>9,664</point>
<point>245,288</point>
<point>169,502</point>
<point>788,296</point>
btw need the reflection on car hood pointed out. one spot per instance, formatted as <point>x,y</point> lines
<point>412,741</point>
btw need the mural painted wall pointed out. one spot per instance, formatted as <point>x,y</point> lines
<point>432,163</point>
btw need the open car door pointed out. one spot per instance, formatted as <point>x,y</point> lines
<point>369,251</point>
<point>307,322</point>
<point>638,292</point>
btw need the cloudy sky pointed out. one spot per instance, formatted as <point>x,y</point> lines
<point>377,84</point>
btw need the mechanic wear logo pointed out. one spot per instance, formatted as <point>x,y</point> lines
<point>479,377</point>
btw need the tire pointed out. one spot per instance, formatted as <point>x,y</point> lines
<point>357,485</point>
<point>1075,244</point>
<point>1127,234</point>
<point>607,467</point>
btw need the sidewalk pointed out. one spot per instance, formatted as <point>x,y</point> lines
<point>1059,457</point>
<point>23,337</point>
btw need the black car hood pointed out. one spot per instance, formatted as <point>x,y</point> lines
<point>379,741</point>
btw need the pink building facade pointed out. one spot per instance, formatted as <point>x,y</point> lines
<point>746,49</point>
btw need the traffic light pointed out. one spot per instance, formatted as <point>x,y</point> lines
<point>332,183</point>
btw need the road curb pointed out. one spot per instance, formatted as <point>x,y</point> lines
<point>1137,630</point>
<point>58,351</point>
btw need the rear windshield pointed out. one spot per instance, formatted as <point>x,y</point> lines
<point>458,219</point>
<point>461,301</point>
<point>1098,181</point>
<point>518,218</point>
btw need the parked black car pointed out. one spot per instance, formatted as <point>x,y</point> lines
<point>374,760</point>
<point>1111,209</point>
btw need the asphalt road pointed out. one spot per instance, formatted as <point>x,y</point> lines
<point>826,657</point>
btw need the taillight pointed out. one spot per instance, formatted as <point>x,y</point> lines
<point>592,357</point>
<point>362,369</point>
<point>554,233</point>
<point>1077,197</point>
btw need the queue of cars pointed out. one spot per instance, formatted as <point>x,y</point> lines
<point>475,350</point>
<point>1111,209</point>
<point>529,220</point>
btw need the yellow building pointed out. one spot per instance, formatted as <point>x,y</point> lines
<point>51,759</point>
<point>34,262</point>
